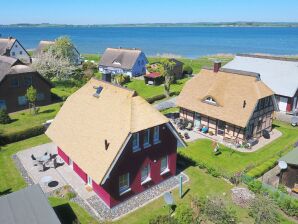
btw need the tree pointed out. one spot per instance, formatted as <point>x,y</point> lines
<point>51,66</point>
<point>31,95</point>
<point>58,61</point>
<point>4,117</point>
<point>168,74</point>
<point>63,48</point>
<point>263,210</point>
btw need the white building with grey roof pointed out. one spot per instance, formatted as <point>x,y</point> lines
<point>280,74</point>
<point>131,62</point>
<point>11,47</point>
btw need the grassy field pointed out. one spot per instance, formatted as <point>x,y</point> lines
<point>23,119</point>
<point>147,91</point>
<point>230,161</point>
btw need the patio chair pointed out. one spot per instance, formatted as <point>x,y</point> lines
<point>40,167</point>
<point>189,126</point>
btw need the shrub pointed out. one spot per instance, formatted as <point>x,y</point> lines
<point>263,168</point>
<point>187,69</point>
<point>183,214</point>
<point>255,186</point>
<point>213,172</point>
<point>163,219</point>
<point>263,210</point>
<point>21,135</point>
<point>69,195</point>
<point>4,117</point>
<point>218,211</point>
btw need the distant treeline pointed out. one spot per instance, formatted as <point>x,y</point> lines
<point>223,24</point>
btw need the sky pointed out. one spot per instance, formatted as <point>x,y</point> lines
<point>83,12</point>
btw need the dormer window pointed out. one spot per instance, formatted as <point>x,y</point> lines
<point>115,62</point>
<point>210,100</point>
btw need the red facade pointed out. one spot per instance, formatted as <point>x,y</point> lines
<point>133,163</point>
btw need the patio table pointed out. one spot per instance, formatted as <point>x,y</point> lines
<point>44,158</point>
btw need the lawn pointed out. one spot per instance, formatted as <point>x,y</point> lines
<point>230,161</point>
<point>198,63</point>
<point>65,88</point>
<point>92,57</point>
<point>148,91</point>
<point>11,180</point>
<point>23,119</point>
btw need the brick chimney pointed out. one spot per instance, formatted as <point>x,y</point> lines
<point>216,66</point>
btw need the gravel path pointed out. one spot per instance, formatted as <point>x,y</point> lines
<point>166,104</point>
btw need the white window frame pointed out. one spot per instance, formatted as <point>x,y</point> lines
<point>156,135</point>
<point>124,189</point>
<point>136,148</point>
<point>210,100</point>
<point>89,180</point>
<point>147,134</point>
<point>70,163</point>
<point>147,178</point>
<point>164,170</point>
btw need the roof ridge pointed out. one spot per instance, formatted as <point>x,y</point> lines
<point>270,57</point>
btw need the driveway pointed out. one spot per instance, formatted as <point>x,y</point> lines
<point>168,103</point>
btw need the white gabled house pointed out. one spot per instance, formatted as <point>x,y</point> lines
<point>11,47</point>
<point>131,62</point>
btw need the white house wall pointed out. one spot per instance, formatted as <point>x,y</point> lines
<point>17,51</point>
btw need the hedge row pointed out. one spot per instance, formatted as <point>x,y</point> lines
<point>262,168</point>
<point>160,97</point>
<point>21,135</point>
<point>185,160</point>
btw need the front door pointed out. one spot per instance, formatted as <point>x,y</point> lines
<point>89,181</point>
<point>283,102</point>
<point>221,128</point>
<point>197,121</point>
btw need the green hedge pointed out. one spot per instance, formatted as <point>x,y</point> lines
<point>263,168</point>
<point>160,97</point>
<point>21,135</point>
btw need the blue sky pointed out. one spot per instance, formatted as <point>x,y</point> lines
<point>153,11</point>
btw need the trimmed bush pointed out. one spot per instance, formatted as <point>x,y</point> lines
<point>4,117</point>
<point>263,168</point>
<point>187,69</point>
<point>21,135</point>
<point>160,97</point>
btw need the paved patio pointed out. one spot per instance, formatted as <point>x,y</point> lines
<point>64,175</point>
<point>196,135</point>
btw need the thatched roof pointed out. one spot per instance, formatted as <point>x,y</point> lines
<point>229,89</point>
<point>85,122</point>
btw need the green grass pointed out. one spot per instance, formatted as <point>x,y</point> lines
<point>170,110</point>
<point>92,57</point>
<point>198,63</point>
<point>230,161</point>
<point>10,178</point>
<point>147,91</point>
<point>68,211</point>
<point>64,89</point>
<point>23,119</point>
